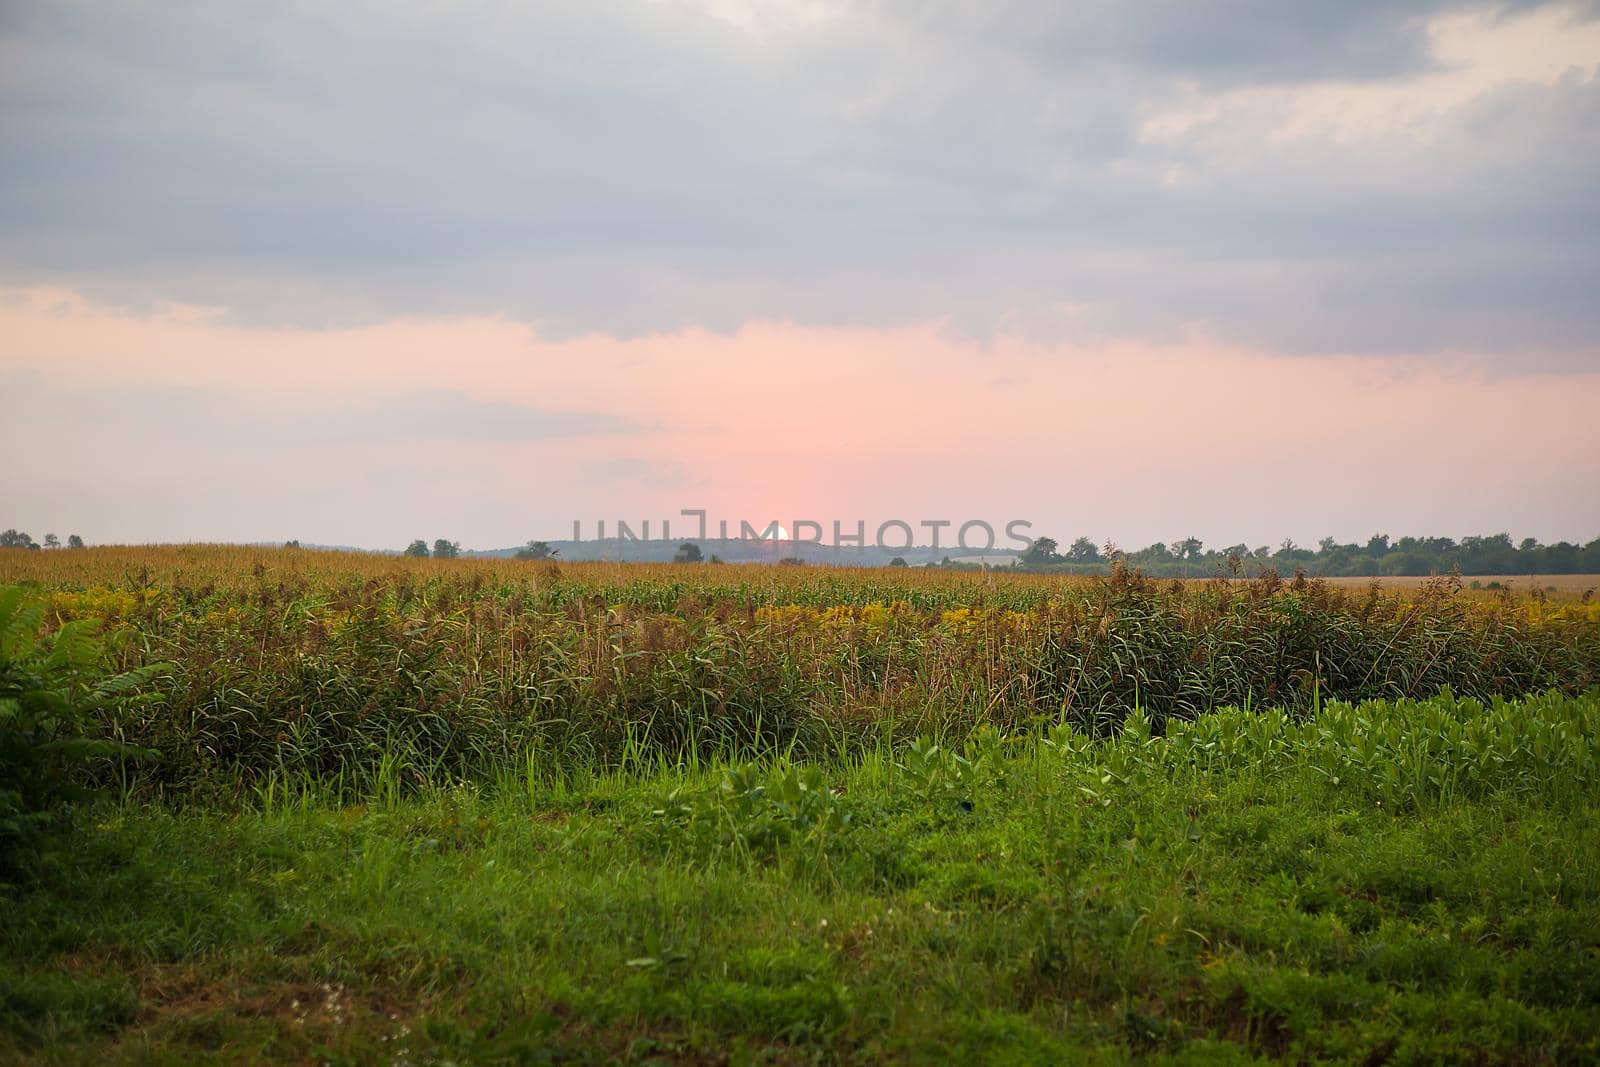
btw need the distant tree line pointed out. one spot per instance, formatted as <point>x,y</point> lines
<point>21,539</point>
<point>442,549</point>
<point>1380,556</point>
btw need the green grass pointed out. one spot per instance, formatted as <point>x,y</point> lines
<point>1414,882</point>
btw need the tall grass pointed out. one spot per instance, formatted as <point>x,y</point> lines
<point>290,663</point>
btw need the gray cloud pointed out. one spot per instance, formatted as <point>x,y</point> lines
<point>1223,42</point>
<point>628,167</point>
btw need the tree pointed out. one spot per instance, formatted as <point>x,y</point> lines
<point>1188,548</point>
<point>1042,551</point>
<point>899,561</point>
<point>418,549</point>
<point>537,550</point>
<point>74,541</point>
<point>443,549</point>
<point>1563,557</point>
<point>688,552</point>
<point>1589,560</point>
<point>791,561</point>
<point>1233,558</point>
<point>17,539</point>
<point>292,544</point>
<point>1083,550</point>
<point>52,541</point>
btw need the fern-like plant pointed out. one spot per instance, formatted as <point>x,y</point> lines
<point>52,690</point>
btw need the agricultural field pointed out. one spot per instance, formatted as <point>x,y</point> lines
<point>357,809</point>
<point>1553,586</point>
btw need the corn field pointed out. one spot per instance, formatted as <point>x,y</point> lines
<point>334,665</point>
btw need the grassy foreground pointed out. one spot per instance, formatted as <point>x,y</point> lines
<point>1405,882</point>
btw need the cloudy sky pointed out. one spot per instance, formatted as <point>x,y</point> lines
<point>362,272</point>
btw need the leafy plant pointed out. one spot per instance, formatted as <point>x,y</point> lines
<point>51,689</point>
<point>947,778</point>
<point>759,811</point>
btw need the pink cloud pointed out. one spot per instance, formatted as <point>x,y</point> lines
<point>1134,441</point>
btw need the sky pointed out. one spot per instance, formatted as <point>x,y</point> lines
<point>360,273</point>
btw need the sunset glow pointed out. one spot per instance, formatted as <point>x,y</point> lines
<point>835,319</point>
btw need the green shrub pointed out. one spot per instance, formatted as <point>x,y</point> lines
<point>51,689</point>
<point>757,812</point>
<point>945,778</point>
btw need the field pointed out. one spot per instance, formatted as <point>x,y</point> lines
<point>421,811</point>
<point>1555,586</point>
